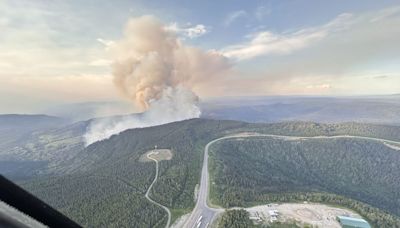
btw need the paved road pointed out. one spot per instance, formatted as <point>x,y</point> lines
<point>148,191</point>
<point>203,215</point>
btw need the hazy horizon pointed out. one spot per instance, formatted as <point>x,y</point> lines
<point>61,53</point>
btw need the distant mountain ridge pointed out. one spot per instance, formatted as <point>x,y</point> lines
<point>326,109</point>
<point>28,120</point>
<point>14,127</point>
<point>385,110</point>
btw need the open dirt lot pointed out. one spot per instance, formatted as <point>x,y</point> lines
<point>158,154</point>
<point>318,215</point>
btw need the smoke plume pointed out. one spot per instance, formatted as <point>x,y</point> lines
<point>158,73</point>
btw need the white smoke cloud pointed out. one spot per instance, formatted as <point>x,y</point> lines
<point>157,72</point>
<point>175,104</point>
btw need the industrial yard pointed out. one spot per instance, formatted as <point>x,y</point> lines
<point>318,215</point>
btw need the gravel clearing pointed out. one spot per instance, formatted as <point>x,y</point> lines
<point>303,213</point>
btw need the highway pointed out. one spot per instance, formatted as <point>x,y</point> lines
<point>202,215</point>
<point>149,189</point>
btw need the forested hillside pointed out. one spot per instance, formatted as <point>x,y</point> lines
<point>104,184</point>
<point>316,129</point>
<point>240,219</point>
<point>107,182</point>
<point>235,219</point>
<point>264,169</point>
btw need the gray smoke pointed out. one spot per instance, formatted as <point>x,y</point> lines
<point>157,72</point>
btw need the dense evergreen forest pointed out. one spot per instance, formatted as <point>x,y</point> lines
<point>104,184</point>
<point>235,219</point>
<point>239,218</point>
<point>264,169</point>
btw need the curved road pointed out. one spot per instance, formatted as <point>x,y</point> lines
<point>202,215</point>
<point>148,191</point>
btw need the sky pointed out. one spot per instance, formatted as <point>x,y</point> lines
<point>56,52</point>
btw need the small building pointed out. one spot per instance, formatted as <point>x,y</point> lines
<point>349,222</point>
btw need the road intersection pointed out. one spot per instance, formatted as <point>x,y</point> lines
<point>203,215</point>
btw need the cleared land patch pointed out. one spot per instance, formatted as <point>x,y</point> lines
<point>157,154</point>
<point>302,213</point>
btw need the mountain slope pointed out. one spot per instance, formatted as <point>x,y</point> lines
<point>115,162</point>
<point>104,184</point>
<point>255,170</point>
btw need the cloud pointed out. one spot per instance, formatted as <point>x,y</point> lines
<point>380,77</point>
<point>349,34</point>
<point>196,31</point>
<point>266,42</point>
<point>319,86</point>
<point>233,16</point>
<point>37,39</point>
<point>188,31</point>
<point>344,53</point>
<point>56,89</point>
<point>261,12</point>
<point>100,62</point>
<point>385,13</point>
<point>37,42</point>
<point>34,94</point>
<point>107,43</point>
